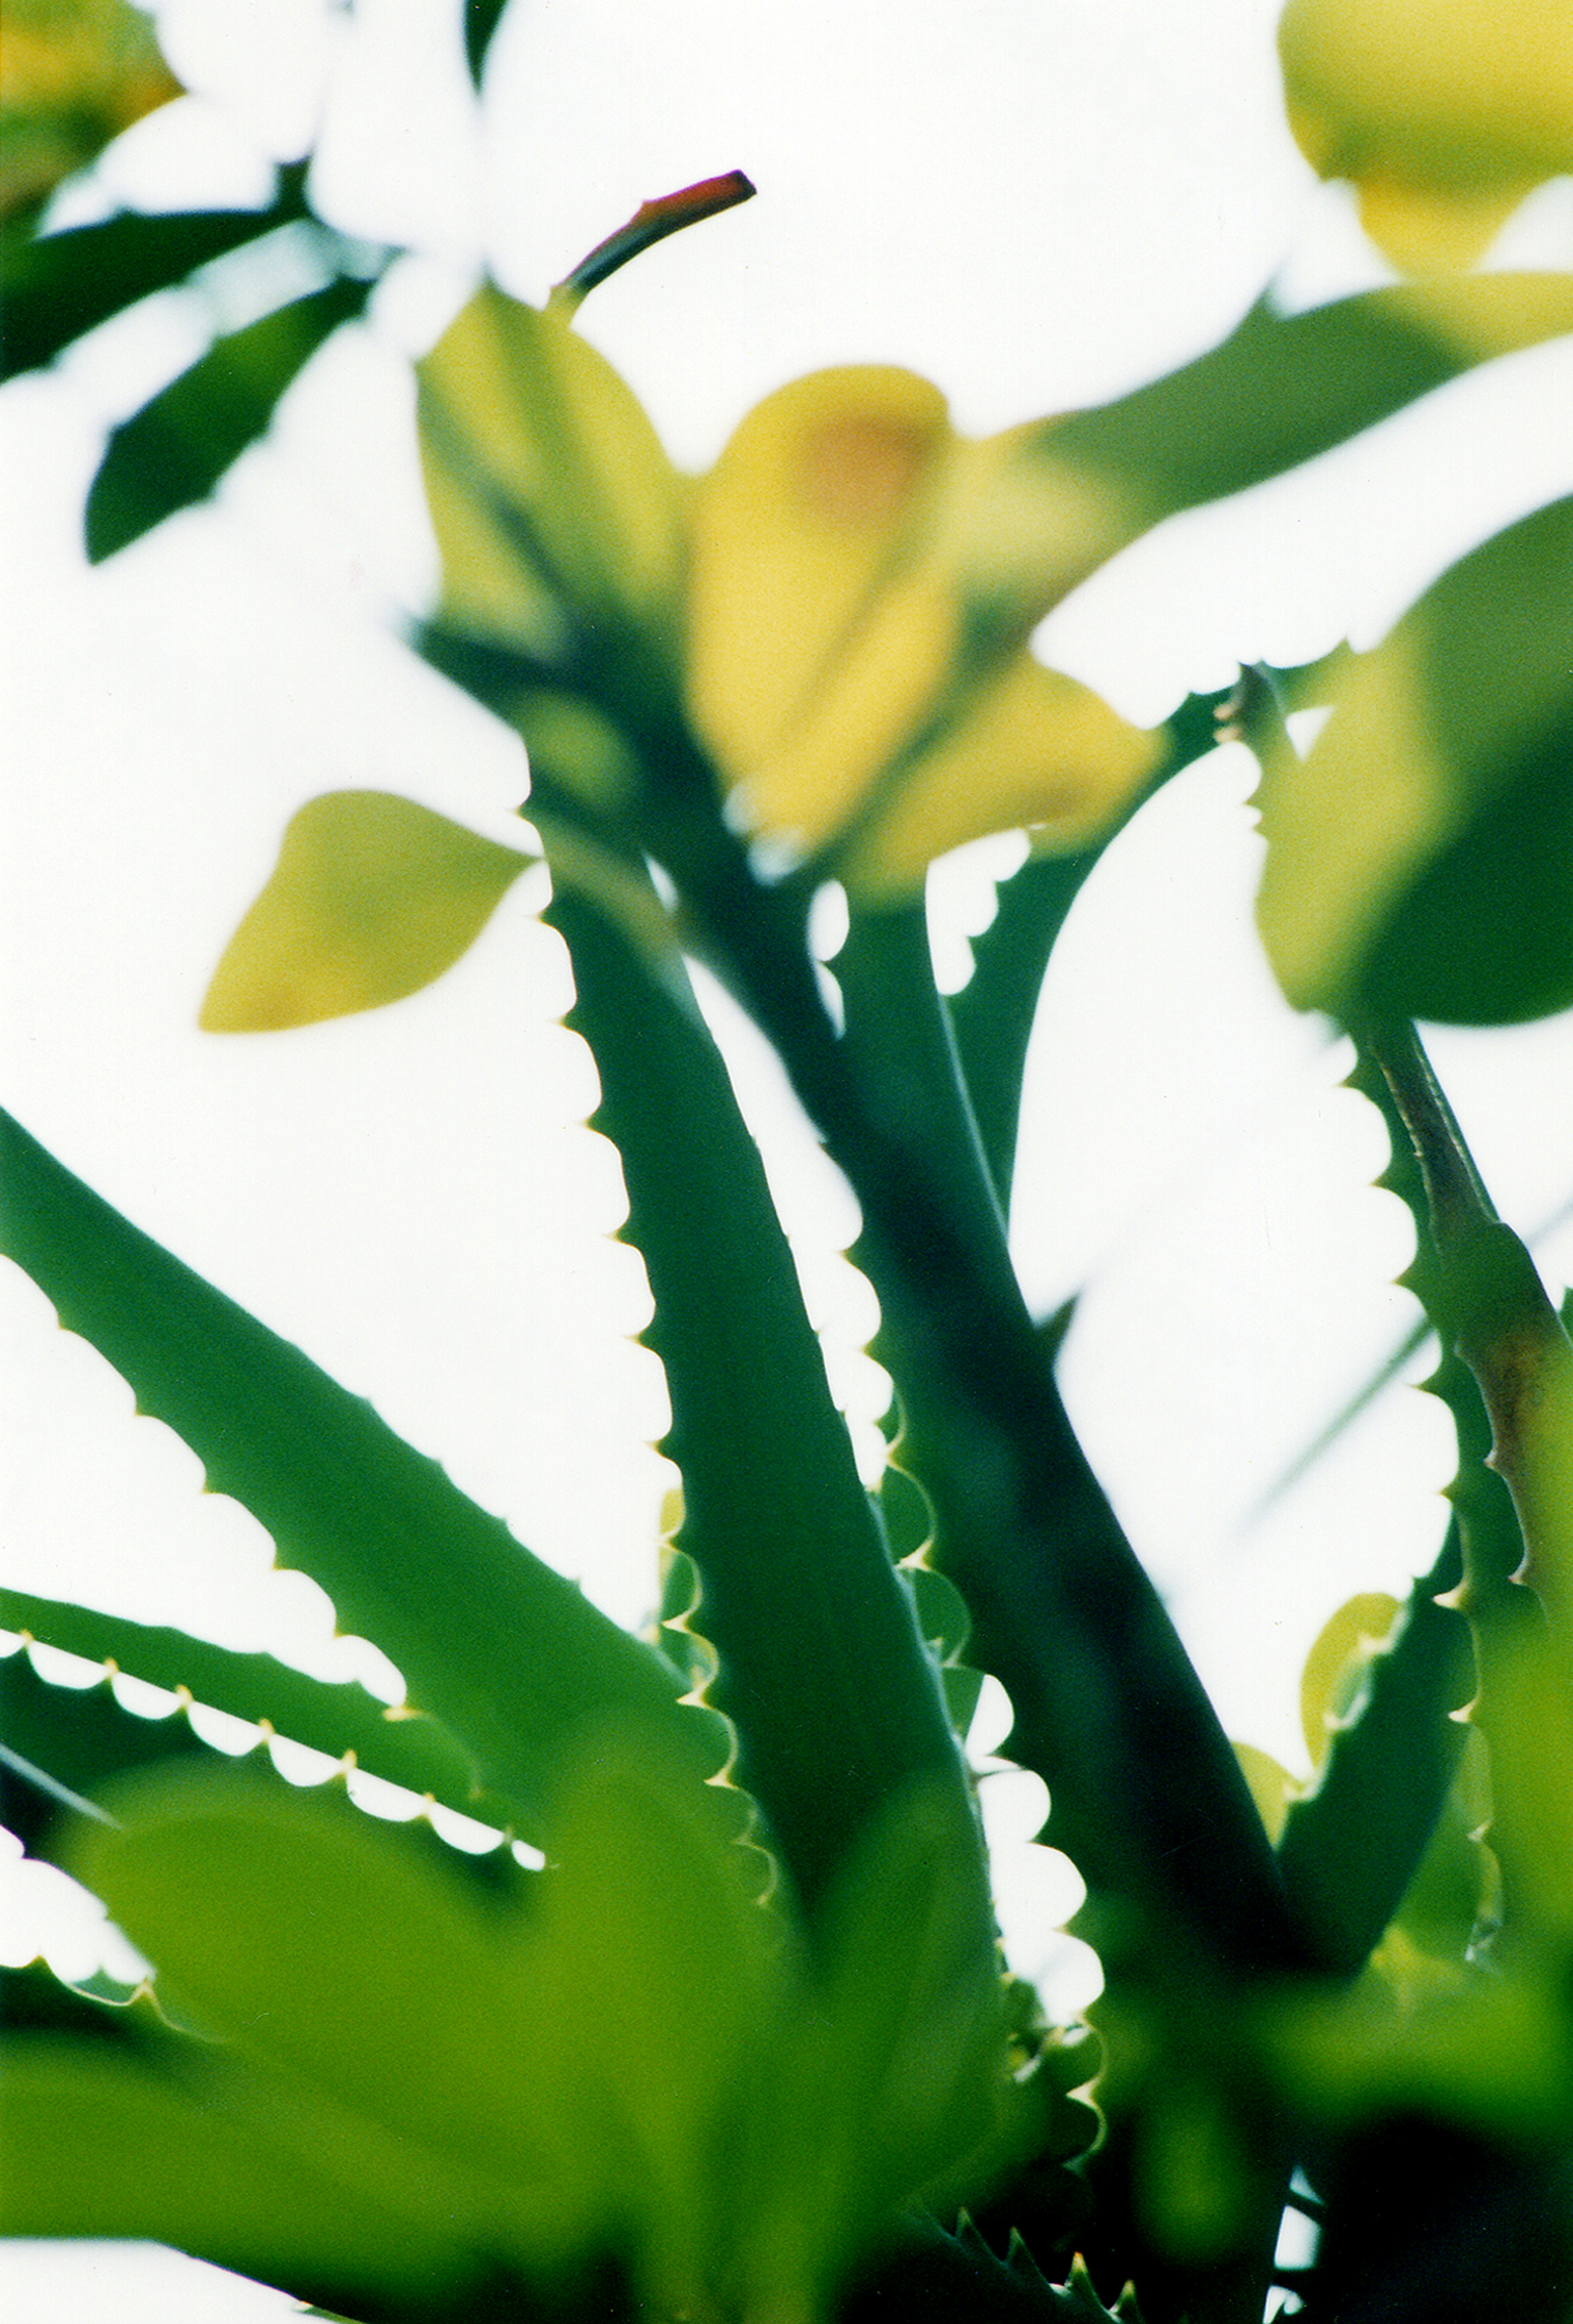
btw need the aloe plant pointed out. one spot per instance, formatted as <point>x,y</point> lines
<point>728,2038</point>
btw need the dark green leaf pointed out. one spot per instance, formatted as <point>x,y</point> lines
<point>1147,1797</point>
<point>169,455</point>
<point>507,1655</point>
<point>57,286</point>
<point>481,19</point>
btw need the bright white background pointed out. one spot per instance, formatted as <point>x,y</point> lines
<point>1037,203</point>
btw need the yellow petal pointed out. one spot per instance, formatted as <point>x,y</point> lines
<point>1426,231</point>
<point>546,479</point>
<point>372,898</point>
<point>800,523</point>
<point>1035,749</point>
<point>1444,112</point>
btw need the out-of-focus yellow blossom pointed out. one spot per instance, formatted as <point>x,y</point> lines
<point>1444,113</point>
<point>73,74</point>
<point>857,663</point>
<point>836,601</point>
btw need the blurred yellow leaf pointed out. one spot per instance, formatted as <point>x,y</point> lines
<point>1444,113</point>
<point>73,74</point>
<point>1335,1666</point>
<point>372,898</point>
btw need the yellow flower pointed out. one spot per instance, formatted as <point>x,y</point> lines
<point>842,606</point>
<point>73,74</point>
<point>857,663</point>
<point>1444,113</point>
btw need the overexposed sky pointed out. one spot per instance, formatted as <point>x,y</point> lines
<point>1037,203</point>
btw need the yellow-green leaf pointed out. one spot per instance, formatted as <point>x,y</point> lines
<point>1330,1680</point>
<point>1419,859</point>
<point>373,896</point>
<point>549,488</point>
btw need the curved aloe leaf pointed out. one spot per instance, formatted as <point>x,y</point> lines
<point>1507,1377</point>
<point>991,1016</point>
<point>505,1654</point>
<point>835,1699</point>
<point>1350,1848</point>
<point>169,455</point>
<point>338,1718</point>
<point>1147,1797</point>
<point>58,286</point>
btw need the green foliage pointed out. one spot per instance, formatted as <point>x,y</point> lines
<point>743,2048</point>
<point>169,455</point>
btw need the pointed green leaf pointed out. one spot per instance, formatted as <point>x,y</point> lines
<point>507,1655</point>
<point>170,454</point>
<point>801,1601</point>
<point>1283,388</point>
<point>57,286</point>
<point>338,1718</point>
<point>661,1987</point>
<point>481,20</point>
<point>895,2068</point>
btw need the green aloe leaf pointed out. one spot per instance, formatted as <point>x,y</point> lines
<point>894,2072</point>
<point>801,1601</point>
<point>58,286</point>
<point>991,1017</point>
<point>102,2143</point>
<point>345,1963</point>
<point>661,1982</point>
<point>1419,858</point>
<point>1351,1846</point>
<point>505,1654</point>
<point>169,455</point>
<point>338,1718</point>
